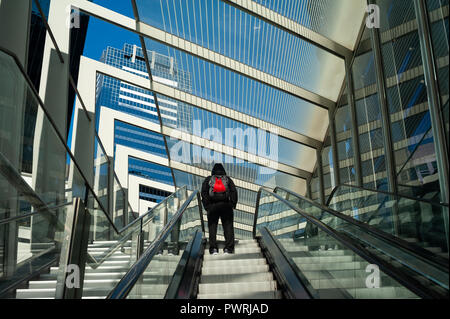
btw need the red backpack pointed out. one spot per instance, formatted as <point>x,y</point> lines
<point>219,189</point>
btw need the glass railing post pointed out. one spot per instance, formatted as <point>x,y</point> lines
<point>140,247</point>
<point>73,256</point>
<point>110,194</point>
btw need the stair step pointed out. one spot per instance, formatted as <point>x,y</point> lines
<point>238,250</point>
<point>88,283</point>
<point>234,270</point>
<point>254,255</point>
<point>100,269</point>
<point>243,295</point>
<point>231,278</point>
<point>98,292</point>
<point>234,262</point>
<point>36,293</point>
<point>237,287</point>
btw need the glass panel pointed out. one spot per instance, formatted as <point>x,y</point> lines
<point>117,252</point>
<point>368,113</point>
<point>324,17</point>
<point>376,245</point>
<point>415,221</point>
<point>232,133</point>
<point>328,167</point>
<point>155,280</point>
<point>251,97</point>
<point>38,180</point>
<point>138,102</point>
<point>315,186</point>
<point>120,205</point>
<point>439,36</point>
<point>344,140</point>
<point>415,157</point>
<point>180,70</point>
<point>235,167</point>
<point>101,173</point>
<point>331,269</point>
<point>239,35</point>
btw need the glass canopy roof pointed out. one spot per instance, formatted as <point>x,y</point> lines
<point>250,64</point>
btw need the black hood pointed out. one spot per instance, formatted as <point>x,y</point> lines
<point>218,169</point>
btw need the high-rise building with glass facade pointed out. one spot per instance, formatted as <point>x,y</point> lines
<point>137,102</point>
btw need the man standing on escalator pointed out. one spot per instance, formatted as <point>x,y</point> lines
<point>219,198</point>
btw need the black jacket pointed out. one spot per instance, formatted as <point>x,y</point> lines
<point>218,169</point>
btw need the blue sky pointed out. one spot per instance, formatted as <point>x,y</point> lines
<point>101,34</point>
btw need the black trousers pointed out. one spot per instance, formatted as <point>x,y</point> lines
<point>226,216</point>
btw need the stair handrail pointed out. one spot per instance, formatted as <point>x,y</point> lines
<point>409,282</point>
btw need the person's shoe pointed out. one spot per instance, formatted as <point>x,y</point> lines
<point>227,251</point>
<point>214,251</point>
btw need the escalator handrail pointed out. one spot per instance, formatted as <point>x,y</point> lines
<point>407,281</point>
<point>94,263</point>
<point>439,262</point>
<point>396,196</point>
<point>183,280</point>
<point>48,209</point>
<point>126,284</point>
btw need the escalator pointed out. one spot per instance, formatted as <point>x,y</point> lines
<point>368,218</point>
<point>300,250</point>
<point>284,260</point>
<point>64,237</point>
<point>419,221</point>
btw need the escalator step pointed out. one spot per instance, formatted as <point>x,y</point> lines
<point>234,262</point>
<point>230,278</point>
<point>234,270</point>
<point>243,295</point>
<point>236,287</point>
<point>323,259</point>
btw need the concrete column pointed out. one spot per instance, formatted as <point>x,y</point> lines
<point>49,153</point>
